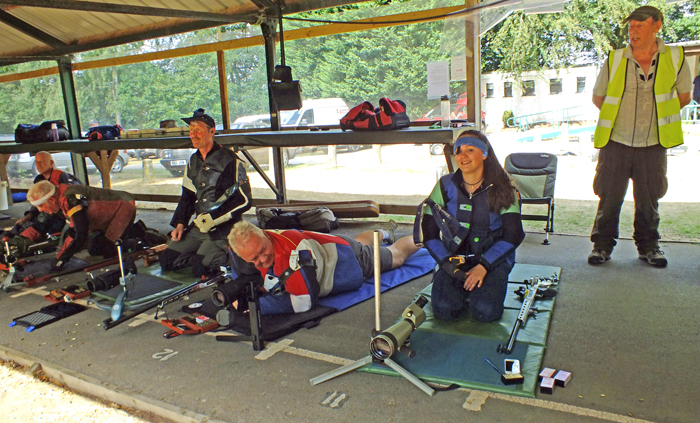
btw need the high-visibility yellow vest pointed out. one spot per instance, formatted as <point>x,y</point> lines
<point>668,107</point>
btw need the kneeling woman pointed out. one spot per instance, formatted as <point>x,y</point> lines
<point>474,215</point>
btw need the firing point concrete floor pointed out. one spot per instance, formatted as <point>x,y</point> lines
<point>628,333</point>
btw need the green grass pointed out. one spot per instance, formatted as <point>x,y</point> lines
<point>679,221</point>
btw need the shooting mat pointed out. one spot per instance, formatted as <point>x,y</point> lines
<point>143,289</point>
<point>454,352</point>
<point>39,267</point>
<point>276,326</point>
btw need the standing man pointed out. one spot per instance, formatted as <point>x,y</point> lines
<point>640,92</point>
<point>35,225</point>
<point>216,190</point>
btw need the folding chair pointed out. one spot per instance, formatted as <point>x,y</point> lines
<point>534,175</point>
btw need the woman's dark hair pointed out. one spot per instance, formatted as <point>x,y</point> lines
<point>501,194</point>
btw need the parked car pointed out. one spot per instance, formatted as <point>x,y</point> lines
<point>175,161</point>
<point>24,162</point>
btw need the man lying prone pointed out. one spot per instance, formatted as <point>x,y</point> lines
<point>301,266</point>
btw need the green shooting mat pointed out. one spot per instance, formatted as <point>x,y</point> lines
<point>454,352</point>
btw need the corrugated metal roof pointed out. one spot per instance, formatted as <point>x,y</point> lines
<point>44,29</point>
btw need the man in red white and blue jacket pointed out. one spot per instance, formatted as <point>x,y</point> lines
<point>301,266</point>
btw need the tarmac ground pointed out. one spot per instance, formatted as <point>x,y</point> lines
<point>626,331</point>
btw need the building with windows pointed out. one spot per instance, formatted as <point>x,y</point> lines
<point>544,94</point>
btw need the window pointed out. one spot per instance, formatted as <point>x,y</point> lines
<point>507,89</point>
<point>489,90</point>
<point>580,84</point>
<point>528,88</point>
<point>555,86</point>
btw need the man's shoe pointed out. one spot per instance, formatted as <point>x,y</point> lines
<point>391,228</point>
<point>655,258</point>
<point>598,256</point>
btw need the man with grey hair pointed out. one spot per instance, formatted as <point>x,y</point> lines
<point>298,267</point>
<point>216,191</point>
<point>97,216</point>
<point>34,226</point>
<point>640,92</point>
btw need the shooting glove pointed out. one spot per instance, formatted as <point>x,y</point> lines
<point>451,266</point>
<point>57,265</point>
<point>206,223</point>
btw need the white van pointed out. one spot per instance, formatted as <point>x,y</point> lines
<point>319,112</point>
<point>253,121</point>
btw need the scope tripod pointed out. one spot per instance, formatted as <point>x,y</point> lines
<point>371,358</point>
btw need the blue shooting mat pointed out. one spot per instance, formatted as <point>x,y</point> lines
<point>454,352</point>
<point>415,266</point>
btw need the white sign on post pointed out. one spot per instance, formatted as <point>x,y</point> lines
<point>438,79</point>
<point>459,68</point>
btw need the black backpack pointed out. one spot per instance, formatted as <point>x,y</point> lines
<point>101,133</point>
<point>30,134</point>
<point>318,219</point>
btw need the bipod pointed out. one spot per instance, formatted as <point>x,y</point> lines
<point>253,297</point>
<point>118,306</point>
<point>385,344</point>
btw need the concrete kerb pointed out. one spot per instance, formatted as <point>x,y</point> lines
<point>93,387</point>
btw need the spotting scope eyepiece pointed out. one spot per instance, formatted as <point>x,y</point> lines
<point>385,344</point>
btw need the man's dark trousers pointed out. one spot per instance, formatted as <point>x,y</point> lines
<point>646,166</point>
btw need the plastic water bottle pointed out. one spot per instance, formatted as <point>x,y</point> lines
<point>445,111</point>
<point>54,131</point>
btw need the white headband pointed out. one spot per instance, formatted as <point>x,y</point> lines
<point>42,200</point>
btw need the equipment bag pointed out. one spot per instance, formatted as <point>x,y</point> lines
<point>391,114</point>
<point>102,133</point>
<point>30,134</point>
<point>319,219</point>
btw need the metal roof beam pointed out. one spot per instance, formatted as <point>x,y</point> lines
<point>30,30</point>
<point>87,6</point>
<point>79,48</point>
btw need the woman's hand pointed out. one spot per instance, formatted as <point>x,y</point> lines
<point>475,277</point>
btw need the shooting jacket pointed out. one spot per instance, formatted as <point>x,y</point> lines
<point>337,270</point>
<point>204,183</point>
<point>667,104</point>
<point>93,209</point>
<point>491,237</point>
<point>57,177</point>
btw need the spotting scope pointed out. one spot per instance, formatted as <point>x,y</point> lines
<point>385,344</point>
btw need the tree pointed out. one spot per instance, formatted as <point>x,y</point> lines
<point>583,34</point>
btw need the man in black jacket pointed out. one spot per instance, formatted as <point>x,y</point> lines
<point>215,189</point>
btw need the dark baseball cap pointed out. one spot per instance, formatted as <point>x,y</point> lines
<point>643,13</point>
<point>199,115</point>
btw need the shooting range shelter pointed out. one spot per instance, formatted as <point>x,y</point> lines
<point>37,30</point>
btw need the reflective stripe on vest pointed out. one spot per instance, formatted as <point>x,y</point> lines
<point>665,96</point>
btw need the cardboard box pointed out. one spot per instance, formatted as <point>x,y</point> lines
<point>562,378</point>
<point>547,385</point>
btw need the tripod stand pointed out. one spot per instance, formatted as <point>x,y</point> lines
<point>385,344</point>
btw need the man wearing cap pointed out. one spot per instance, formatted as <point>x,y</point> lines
<point>35,225</point>
<point>98,217</point>
<point>215,189</point>
<point>640,92</point>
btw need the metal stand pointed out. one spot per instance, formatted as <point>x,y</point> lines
<point>370,358</point>
<point>255,322</point>
<point>118,307</point>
